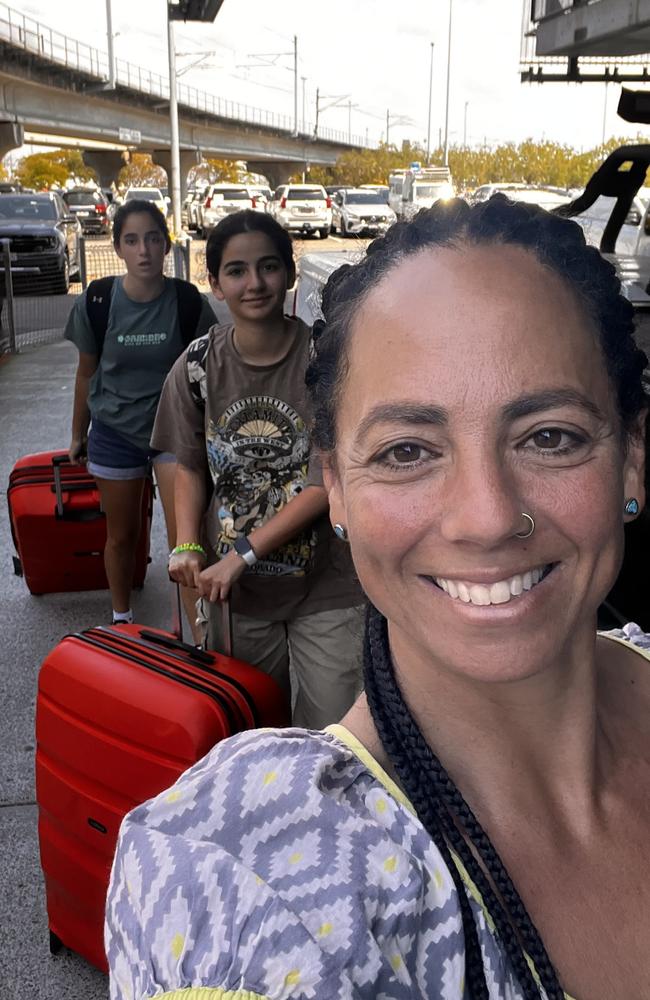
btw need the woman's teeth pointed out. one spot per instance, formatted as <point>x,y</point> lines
<point>494,593</point>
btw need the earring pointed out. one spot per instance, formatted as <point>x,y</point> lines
<point>340,532</point>
<point>631,506</point>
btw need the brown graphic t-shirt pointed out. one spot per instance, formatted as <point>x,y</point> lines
<point>248,427</point>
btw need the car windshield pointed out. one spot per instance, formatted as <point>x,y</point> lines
<point>299,194</point>
<point>233,194</point>
<point>428,190</point>
<point>366,198</point>
<point>81,197</point>
<point>396,187</point>
<point>26,208</point>
<point>146,194</point>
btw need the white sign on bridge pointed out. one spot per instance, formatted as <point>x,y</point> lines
<point>130,135</point>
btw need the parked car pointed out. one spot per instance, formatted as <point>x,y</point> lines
<point>545,196</point>
<point>359,212</point>
<point>149,194</point>
<point>632,239</point>
<point>222,200</point>
<point>43,242</point>
<point>302,208</point>
<point>90,207</point>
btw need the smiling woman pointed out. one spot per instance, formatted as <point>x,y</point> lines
<point>479,407</point>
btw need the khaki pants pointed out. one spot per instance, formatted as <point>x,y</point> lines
<point>322,653</point>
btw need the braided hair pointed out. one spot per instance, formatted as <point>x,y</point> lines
<point>559,245</point>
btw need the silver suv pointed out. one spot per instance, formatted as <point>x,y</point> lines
<point>302,208</point>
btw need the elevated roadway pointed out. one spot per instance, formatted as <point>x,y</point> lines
<point>54,85</point>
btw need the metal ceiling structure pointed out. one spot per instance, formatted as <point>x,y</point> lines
<point>193,10</point>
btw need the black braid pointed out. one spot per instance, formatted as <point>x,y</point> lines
<point>441,808</point>
<point>559,245</point>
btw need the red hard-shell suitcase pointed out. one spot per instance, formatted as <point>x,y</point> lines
<point>59,529</point>
<point>121,713</point>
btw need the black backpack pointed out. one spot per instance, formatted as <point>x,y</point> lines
<point>98,302</point>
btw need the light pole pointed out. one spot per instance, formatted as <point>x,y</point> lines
<point>350,106</point>
<point>429,117</point>
<point>295,85</point>
<point>111,53</point>
<point>181,10</point>
<point>465,126</point>
<point>304,124</point>
<point>446,150</point>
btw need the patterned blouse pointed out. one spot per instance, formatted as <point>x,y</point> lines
<point>287,865</point>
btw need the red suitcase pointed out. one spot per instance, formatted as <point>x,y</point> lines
<point>121,713</point>
<point>58,527</point>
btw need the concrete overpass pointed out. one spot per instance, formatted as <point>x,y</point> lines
<point>52,84</point>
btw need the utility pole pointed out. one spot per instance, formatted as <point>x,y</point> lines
<point>304,124</point>
<point>173,128</point>
<point>387,126</point>
<point>350,122</point>
<point>429,118</point>
<point>317,106</point>
<point>446,150</point>
<point>295,85</point>
<point>111,53</point>
<point>465,126</point>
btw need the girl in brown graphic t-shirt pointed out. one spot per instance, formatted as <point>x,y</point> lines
<point>234,406</point>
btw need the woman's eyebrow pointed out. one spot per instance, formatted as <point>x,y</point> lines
<point>403,413</point>
<point>549,399</point>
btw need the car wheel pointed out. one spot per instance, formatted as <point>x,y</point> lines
<point>62,285</point>
<point>324,233</point>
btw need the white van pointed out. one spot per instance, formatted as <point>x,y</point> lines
<point>422,188</point>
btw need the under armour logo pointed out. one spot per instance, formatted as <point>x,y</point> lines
<point>98,298</point>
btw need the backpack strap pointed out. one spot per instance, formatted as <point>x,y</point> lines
<point>98,304</point>
<point>195,367</point>
<point>190,304</point>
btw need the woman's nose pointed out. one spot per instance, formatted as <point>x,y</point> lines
<point>481,503</point>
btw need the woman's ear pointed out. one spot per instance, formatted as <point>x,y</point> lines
<point>332,484</point>
<point>214,285</point>
<point>634,470</point>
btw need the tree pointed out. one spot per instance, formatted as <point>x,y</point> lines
<point>41,170</point>
<point>141,171</point>
<point>212,171</point>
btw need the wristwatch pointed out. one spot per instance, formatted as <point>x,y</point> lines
<point>244,549</point>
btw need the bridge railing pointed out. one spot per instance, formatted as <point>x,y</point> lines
<point>32,36</point>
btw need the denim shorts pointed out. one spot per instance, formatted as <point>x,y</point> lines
<point>112,456</point>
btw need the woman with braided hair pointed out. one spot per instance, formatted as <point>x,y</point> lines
<point>477,826</point>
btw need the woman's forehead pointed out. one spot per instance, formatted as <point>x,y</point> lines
<point>250,245</point>
<point>474,316</point>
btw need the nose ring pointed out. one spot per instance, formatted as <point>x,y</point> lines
<point>531,526</point>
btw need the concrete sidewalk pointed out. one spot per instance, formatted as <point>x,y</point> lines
<point>35,407</point>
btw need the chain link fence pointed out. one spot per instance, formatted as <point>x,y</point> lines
<point>36,298</point>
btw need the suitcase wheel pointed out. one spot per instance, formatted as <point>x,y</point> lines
<point>56,944</point>
<point>18,566</point>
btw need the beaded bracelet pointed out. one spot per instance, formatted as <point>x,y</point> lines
<point>188,547</point>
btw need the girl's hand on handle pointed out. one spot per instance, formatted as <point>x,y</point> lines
<point>215,582</point>
<point>185,568</point>
<point>77,451</point>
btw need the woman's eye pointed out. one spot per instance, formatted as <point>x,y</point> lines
<point>555,440</point>
<point>406,455</point>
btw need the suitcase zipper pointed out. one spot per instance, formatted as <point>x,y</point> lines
<point>179,651</point>
<point>216,696</point>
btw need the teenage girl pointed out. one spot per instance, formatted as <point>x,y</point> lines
<point>118,383</point>
<point>234,412</point>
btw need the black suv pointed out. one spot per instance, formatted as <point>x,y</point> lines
<point>90,207</point>
<point>43,243</point>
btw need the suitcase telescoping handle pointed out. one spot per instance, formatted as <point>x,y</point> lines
<point>226,620</point>
<point>57,462</point>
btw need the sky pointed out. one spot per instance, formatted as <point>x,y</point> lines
<point>375,54</point>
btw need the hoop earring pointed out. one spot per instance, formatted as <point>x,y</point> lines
<point>531,526</point>
<point>631,506</point>
<point>340,532</point>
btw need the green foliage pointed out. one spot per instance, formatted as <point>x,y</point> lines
<point>526,162</point>
<point>214,171</point>
<point>141,171</point>
<point>45,170</point>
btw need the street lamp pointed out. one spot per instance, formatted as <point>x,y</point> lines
<point>181,10</point>
<point>446,156</point>
<point>430,95</point>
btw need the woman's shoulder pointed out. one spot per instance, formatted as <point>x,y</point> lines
<point>272,863</point>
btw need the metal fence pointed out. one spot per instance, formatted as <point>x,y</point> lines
<point>34,307</point>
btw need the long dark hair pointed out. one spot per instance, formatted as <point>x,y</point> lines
<point>559,245</point>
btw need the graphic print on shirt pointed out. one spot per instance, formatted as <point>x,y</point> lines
<point>258,452</point>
